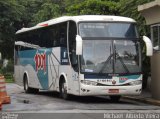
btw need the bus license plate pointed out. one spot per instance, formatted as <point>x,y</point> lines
<point>113,91</point>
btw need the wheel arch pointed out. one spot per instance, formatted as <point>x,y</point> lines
<point>63,77</point>
<point>25,74</point>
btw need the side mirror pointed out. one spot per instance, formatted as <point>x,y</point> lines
<point>149,47</point>
<point>78,45</point>
<point>156,48</point>
<point>0,56</point>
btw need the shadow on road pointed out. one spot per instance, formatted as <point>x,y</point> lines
<point>88,99</point>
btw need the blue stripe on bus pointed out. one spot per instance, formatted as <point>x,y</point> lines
<point>132,76</point>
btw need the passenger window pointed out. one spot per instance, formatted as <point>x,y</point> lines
<point>72,45</point>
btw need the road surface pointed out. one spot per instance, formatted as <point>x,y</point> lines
<point>49,102</point>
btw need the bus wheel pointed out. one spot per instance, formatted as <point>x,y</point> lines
<point>115,98</point>
<point>27,89</point>
<point>63,90</point>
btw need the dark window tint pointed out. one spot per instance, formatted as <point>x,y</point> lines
<point>116,30</point>
<point>72,44</point>
<point>52,36</point>
<point>155,36</point>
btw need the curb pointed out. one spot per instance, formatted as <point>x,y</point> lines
<point>144,100</point>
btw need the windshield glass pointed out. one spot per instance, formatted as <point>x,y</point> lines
<point>126,56</point>
<point>95,53</point>
<point>110,56</point>
<point>111,30</point>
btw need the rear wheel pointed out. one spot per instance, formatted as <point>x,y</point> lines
<point>115,98</point>
<point>63,90</point>
<point>27,89</point>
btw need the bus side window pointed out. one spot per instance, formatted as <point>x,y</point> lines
<point>46,38</point>
<point>57,35</point>
<point>62,38</point>
<point>54,37</point>
<point>63,34</point>
<point>72,45</point>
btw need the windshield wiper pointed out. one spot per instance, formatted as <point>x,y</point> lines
<point>121,60</point>
<point>105,63</point>
<point>109,58</point>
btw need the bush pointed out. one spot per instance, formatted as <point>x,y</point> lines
<point>7,71</point>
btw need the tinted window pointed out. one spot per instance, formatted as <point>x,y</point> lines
<point>52,36</point>
<point>114,30</point>
<point>155,37</point>
<point>72,44</point>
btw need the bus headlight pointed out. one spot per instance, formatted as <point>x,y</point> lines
<point>136,82</point>
<point>86,82</point>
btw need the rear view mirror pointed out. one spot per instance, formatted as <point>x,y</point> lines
<point>78,45</point>
<point>149,47</point>
<point>0,56</point>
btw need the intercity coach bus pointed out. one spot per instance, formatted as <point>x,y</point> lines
<point>86,55</point>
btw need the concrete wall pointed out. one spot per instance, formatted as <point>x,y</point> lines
<point>152,15</point>
<point>155,75</point>
<point>151,12</point>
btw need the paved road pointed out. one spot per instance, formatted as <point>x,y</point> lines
<point>49,102</point>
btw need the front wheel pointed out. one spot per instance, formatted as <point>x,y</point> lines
<point>115,98</point>
<point>63,90</point>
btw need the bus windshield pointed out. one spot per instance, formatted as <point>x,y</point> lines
<point>99,57</point>
<point>108,30</point>
<point>110,55</point>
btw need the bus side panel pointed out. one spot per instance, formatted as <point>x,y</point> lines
<point>70,75</point>
<point>71,79</point>
<point>75,87</point>
<point>17,70</point>
<point>53,69</point>
<point>27,66</point>
<point>35,64</point>
<point>17,78</point>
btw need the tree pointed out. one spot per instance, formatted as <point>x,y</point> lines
<point>93,7</point>
<point>129,8</point>
<point>10,15</point>
<point>48,10</point>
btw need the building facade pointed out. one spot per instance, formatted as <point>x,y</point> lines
<point>151,12</point>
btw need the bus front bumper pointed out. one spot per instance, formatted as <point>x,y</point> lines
<point>87,90</point>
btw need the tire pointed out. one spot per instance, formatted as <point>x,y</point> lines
<point>27,89</point>
<point>63,90</point>
<point>115,98</point>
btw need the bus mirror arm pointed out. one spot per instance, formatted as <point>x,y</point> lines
<point>149,47</point>
<point>78,45</point>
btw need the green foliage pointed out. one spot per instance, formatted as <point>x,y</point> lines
<point>93,7</point>
<point>129,8</point>
<point>31,7</point>
<point>48,10</point>
<point>8,69</point>
<point>9,16</point>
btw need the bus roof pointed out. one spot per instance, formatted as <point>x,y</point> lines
<point>77,19</point>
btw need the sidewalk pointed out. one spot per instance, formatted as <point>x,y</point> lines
<point>145,97</point>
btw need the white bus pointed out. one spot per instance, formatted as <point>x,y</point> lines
<point>86,55</point>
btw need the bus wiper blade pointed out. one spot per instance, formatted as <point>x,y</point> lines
<point>105,63</point>
<point>121,60</point>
